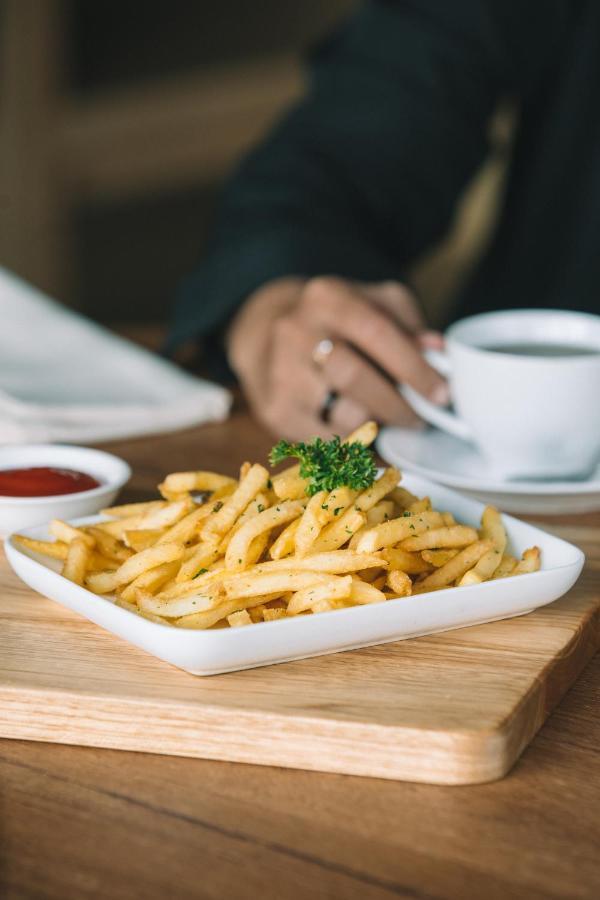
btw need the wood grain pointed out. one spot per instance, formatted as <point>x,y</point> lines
<point>454,708</point>
<point>91,823</point>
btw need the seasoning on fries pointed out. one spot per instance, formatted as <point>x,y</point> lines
<point>325,534</point>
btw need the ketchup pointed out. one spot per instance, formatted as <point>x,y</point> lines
<point>44,481</point>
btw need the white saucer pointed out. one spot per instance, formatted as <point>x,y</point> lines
<point>457,464</point>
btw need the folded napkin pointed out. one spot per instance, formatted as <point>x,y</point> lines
<point>64,378</point>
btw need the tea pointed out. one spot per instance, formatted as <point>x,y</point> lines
<point>543,349</point>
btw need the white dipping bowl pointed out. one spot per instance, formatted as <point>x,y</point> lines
<point>22,512</point>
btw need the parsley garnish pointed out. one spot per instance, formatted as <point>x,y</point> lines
<point>261,508</point>
<point>200,572</point>
<point>329,464</point>
<point>218,505</point>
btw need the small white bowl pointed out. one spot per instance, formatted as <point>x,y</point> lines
<point>23,512</point>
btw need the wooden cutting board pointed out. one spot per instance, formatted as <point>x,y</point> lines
<point>454,708</point>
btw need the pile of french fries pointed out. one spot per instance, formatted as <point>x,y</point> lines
<point>223,552</point>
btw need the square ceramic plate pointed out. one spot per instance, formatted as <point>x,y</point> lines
<point>229,649</point>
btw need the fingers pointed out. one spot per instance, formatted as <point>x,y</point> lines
<point>346,416</point>
<point>431,340</point>
<point>336,308</point>
<point>398,301</point>
<point>352,376</point>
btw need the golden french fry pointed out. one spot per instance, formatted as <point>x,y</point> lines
<point>389,533</point>
<point>411,563</point>
<point>364,434</point>
<point>54,549</point>
<point>157,518</point>
<point>436,538</point>
<point>107,582</point>
<point>195,585</point>
<point>529,562</point>
<point>150,581</point>
<point>75,564</point>
<point>239,619</point>
<point>420,506</point>
<point>378,490</point>
<point>182,531</point>
<point>312,520</point>
<point>403,498</point>
<point>131,607</point>
<point>505,567</point>
<point>127,510</point>
<point>399,583</point>
<point>99,563</point>
<point>141,538</point>
<point>108,545</point>
<point>329,605</point>
<point>238,587</point>
<point>228,512</point>
<point>340,531</point>
<point>362,593</point>
<point>338,501</point>
<point>333,589</point>
<point>179,606</point>
<point>484,568</point>
<point>381,512</point>
<point>334,562</point>
<point>284,544</point>
<point>256,613</point>
<point>203,555</point>
<point>491,529</point>
<point>62,531</point>
<point>195,481</point>
<point>448,518</point>
<point>254,508</point>
<point>236,556</point>
<point>454,569</point>
<point>210,617</point>
<point>438,558</point>
<point>271,615</point>
<point>288,485</point>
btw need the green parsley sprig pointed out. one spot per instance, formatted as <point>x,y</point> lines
<point>329,464</point>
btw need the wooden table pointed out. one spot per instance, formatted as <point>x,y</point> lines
<point>79,823</point>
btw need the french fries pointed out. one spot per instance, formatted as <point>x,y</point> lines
<point>226,553</point>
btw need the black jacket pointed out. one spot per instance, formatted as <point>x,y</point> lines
<point>363,174</point>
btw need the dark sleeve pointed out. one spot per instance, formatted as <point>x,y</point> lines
<point>363,174</point>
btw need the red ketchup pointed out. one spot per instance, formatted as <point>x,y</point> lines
<point>44,481</point>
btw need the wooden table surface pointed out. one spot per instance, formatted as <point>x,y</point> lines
<point>79,823</point>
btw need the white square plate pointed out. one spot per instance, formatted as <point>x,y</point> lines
<point>229,649</point>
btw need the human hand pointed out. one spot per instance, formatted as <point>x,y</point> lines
<point>297,344</point>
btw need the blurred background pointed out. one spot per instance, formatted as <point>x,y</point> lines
<point>119,122</point>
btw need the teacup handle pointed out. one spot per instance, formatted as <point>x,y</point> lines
<point>433,414</point>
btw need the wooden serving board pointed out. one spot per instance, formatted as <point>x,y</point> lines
<point>454,708</point>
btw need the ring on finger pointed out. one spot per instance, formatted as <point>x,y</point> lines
<point>322,351</point>
<point>327,406</point>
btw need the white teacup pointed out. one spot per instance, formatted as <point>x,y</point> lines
<point>526,388</point>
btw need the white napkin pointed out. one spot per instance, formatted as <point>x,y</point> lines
<point>64,378</point>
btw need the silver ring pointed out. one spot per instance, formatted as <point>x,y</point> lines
<point>322,351</point>
<point>326,410</point>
